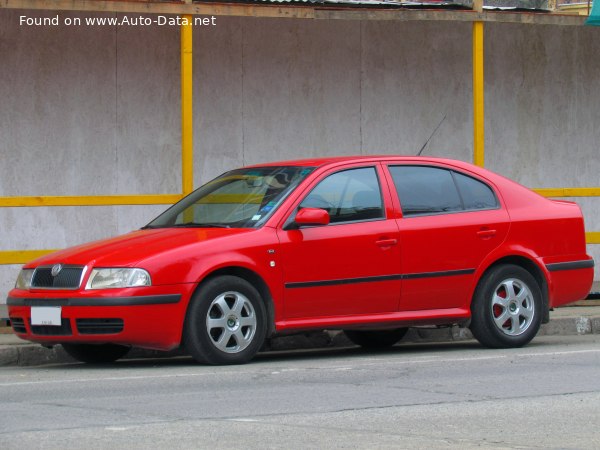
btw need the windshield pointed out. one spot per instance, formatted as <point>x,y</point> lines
<point>242,198</point>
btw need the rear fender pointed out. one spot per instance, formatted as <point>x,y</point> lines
<point>525,258</point>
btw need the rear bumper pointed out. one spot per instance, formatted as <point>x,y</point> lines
<point>153,320</point>
<point>569,281</point>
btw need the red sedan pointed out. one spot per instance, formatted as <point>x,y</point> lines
<point>369,245</point>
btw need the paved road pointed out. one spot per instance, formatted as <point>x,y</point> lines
<point>546,395</point>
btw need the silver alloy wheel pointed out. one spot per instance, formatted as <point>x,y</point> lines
<point>231,322</point>
<point>513,307</point>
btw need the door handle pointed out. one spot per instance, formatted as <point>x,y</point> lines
<point>486,233</point>
<point>386,242</point>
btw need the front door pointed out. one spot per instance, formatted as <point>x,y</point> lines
<point>352,265</point>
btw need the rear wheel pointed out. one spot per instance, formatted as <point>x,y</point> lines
<point>96,354</point>
<point>506,308</point>
<point>376,338</point>
<point>226,322</point>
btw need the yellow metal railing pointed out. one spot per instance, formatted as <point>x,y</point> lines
<point>478,96</point>
<point>21,256</point>
<point>92,200</point>
<point>187,152</point>
<point>569,192</point>
<point>187,130</point>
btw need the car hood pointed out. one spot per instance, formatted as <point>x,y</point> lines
<point>129,249</point>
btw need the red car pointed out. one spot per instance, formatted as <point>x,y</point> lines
<point>369,245</point>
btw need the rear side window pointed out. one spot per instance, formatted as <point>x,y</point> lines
<point>349,195</point>
<point>425,190</point>
<point>432,190</point>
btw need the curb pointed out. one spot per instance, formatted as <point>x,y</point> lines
<point>28,354</point>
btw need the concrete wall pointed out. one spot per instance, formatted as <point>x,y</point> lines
<point>96,110</point>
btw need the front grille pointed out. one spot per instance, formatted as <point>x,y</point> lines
<point>18,325</point>
<point>52,330</point>
<point>99,326</point>
<point>68,278</point>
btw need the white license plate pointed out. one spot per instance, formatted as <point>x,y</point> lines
<point>46,315</point>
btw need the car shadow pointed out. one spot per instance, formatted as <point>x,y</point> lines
<point>140,360</point>
<point>296,355</point>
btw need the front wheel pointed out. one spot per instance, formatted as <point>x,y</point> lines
<point>506,308</point>
<point>375,339</point>
<point>96,354</point>
<point>226,322</point>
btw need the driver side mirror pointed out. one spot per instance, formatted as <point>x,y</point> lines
<point>311,217</point>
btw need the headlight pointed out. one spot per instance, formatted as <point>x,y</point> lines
<point>24,279</point>
<point>118,278</point>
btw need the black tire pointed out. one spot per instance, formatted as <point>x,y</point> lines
<point>226,322</point>
<point>376,339</point>
<point>507,308</point>
<point>96,354</point>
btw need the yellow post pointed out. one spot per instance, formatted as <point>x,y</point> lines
<point>478,91</point>
<point>187,149</point>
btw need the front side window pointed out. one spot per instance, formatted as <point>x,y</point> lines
<point>432,190</point>
<point>242,198</point>
<point>349,195</point>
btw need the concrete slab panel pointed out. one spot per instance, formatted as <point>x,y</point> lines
<point>414,74</point>
<point>301,89</point>
<point>148,110</point>
<point>541,105</point>
<point>218,98</point>
<point>56,227</point>
<point>584,150</point>
<point>57,116</point>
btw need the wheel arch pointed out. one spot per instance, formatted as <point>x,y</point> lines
<point>255,280</point>
<point>530,266</point>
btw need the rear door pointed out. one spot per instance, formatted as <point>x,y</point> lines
<point>352,265</point>
<point>451,220</point>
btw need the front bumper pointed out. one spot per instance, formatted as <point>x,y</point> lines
<point>143,317</point>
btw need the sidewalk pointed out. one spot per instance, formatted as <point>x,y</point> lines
<point>572,320</point>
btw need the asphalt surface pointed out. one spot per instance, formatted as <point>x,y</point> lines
<point>574,320</point>
<point>452,395</point>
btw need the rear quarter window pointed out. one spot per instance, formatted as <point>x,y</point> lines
<point>474,193</point>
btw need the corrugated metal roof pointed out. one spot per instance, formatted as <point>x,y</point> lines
<point>502,5</point>
<point>400,3</point>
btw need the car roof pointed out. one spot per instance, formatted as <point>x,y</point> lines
<point>319,162</point>
<point>518,195</point>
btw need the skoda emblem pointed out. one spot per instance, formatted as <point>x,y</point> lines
<point>56,268</point>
